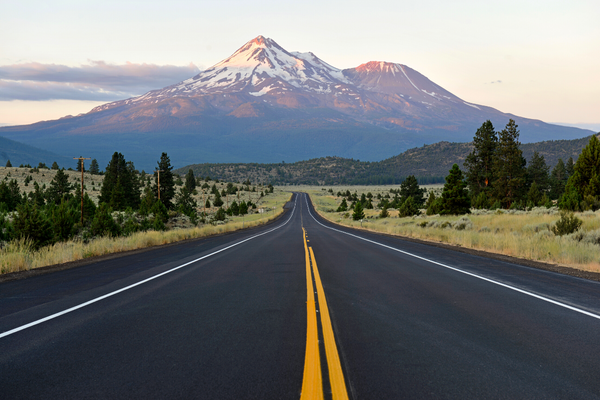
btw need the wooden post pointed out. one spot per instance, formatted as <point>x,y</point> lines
<point>81,161</point>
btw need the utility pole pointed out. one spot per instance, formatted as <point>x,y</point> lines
<point>159,171</point>
<point>81,160</point>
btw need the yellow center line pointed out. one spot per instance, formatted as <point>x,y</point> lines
<point>336,375</point>
<point>312,385</point>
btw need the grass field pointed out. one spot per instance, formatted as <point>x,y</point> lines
<point>19,256</point>
<point>520,234</point>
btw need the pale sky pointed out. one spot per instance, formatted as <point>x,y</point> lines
<point>535,59</point>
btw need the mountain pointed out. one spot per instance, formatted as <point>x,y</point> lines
<point>266,104</point>
<point>19,153</point>
<point>429,163</point>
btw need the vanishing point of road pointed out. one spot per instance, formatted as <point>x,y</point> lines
<point>300,309</point>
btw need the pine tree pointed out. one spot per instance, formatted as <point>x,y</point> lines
<point>509,167</point>
<point>8,164</point>
<point>586,168</point>
<point>408,208</point>
<point>218,202</point>
<point>455,198</point>
<point>120,186</point>
<point>30,223</point>
<point>55,166</point>
<point>59,187</point>
<point>358,213</point>
<point>343,206</point>
<point>190,181</point>
<point>94,167</point>
<point>10,194</point>
<point>63,221</point>
<point>570,167</point>
<point>479,164</point>
<point>186,204</point>
<point>558,180</point>
<point>167,181</point>
<point>537,172</point>
<point>410,188</point>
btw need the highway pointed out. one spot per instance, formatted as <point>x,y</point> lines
<point>300,309</point>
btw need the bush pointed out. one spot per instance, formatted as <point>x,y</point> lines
<point>103,223</point>
<point>409,208</point>
<point>567,224</point>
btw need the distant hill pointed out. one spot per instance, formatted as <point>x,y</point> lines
<point>429,163</point>
<point>19,153</point>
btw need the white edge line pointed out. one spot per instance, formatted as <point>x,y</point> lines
<point>87,303</point>
<point>537,296</point>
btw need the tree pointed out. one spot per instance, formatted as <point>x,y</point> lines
<point>103,223</point>
<point>384,212</point>
<point>94,167</point>
<point>59,187</point>
<point>558,180</point>
<point>120,186</point>
<point>570,167</point>
<point>63,221</point>
<point>455,198</point>
<point>190,181</point>
<point>587,170</point>
<point>55,166</point>
<point>186,204</point>
<point>534,196</point>
<point>30,223</point>
<point>243,208</point>
<point>410,188</point>
<point>479,164</point>
<point>408,208</point>
<point>167,181</point>
<point>509,167</point>
<point>358,213</point>
<point>343,206</point>
<point>537,172</point>
<point>218,202</point>
<point>10,194</point>
<point>8,164</point>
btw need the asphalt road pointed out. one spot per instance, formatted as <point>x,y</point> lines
<point>229,317</point>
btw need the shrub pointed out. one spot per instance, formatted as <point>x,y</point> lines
<point>409,208</point>
<point>567,224</point>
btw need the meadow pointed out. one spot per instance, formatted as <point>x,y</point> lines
<point>522,234</point>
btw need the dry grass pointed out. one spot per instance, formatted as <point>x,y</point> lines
<point>520,234</point>
<point>19,256</point>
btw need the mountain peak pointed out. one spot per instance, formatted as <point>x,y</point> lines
<point>378,66</point>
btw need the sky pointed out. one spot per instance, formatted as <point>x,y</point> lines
<point>536,59</point>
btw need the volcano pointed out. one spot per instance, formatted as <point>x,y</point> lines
<point>266,104</point>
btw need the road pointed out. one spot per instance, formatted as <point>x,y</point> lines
<point>300,309</point>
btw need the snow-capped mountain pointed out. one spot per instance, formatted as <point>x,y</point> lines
<point>264,103</point>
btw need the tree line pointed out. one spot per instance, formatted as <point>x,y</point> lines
<point>144,201</point>
<point>497,176</point>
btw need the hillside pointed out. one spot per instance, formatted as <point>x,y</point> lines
<point>430,163</point>
<point>19,153</point>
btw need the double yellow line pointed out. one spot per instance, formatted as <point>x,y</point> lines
<point>312,383</point>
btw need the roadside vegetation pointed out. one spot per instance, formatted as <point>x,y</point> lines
<point>40,210</point>
<point>500,203</point>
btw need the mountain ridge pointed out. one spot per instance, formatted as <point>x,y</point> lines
<point>264,103</point>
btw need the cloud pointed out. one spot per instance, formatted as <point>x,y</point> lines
<point>95,81</point>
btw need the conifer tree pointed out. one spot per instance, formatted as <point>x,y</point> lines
<point>479,164</point>
<point>78,168</point>
<point>410,188</point>
<point>558,180</point>
<point>509,167</point>
<point>587,170</point>
<point>59,187</point>
<point>455,198</point>
<point>218,202</point>
<point>94,167</point>
<point>167,181</point>
<point>8,164</point>
<point>30,223</point>
<point>120,186</point>
<point>190,181</point>
<point>570,167</point>
<point>408,208</point>
<point>343,206</point>
<point>63,221</point>
<point>54,166</point>
<point>537,172</point>
<point>10,194</point>
<point>358,213</point>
